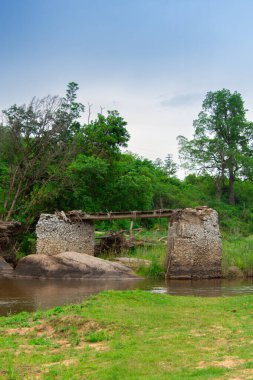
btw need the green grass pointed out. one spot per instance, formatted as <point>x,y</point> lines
<point>238,252</point>
<point>131,335</point>
<point>156,254</point>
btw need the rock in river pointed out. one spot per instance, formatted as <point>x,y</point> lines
<point>133,262</point>
<point>70,265</point>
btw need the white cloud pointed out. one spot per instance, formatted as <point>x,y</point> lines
<point>181,100</point>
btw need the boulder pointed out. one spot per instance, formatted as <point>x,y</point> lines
<point>5,268</point>
<point>133,262</point>
<point>70,265</point>
<point>234,272</point>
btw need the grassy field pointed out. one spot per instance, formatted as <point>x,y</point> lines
<point>131,335</point>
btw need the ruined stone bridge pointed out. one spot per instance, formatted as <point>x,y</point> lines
<point>194,244</point>
<point>78,215</point>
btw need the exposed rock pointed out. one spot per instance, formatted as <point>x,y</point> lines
<point>132,262</point>
<point>5,268</point>
<point>70,265</point>
<point>194,244</point>
<point>234,272</point>
<point>55,235</point>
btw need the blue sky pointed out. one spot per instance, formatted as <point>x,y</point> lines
<point>153,60</point>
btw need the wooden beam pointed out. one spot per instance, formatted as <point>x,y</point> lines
<point>78,215</point>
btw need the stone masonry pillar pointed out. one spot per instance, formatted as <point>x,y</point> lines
<point>194,244</point>
<point>55,236</point>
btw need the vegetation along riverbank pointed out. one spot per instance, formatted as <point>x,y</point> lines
<point>237,253</point>
<point>131,335</point>
<point>81,165</point>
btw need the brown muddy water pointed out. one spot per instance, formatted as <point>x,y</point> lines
<point>33,294</point>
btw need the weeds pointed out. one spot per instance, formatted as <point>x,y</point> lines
<point>238,252</point>
<point>97,336</point>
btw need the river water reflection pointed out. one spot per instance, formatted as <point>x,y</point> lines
<point>29,294</point>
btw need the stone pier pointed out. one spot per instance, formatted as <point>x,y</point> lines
<point>55,235</point>
<point>194,244</point>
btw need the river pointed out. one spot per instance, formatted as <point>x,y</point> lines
<point>33,294</point>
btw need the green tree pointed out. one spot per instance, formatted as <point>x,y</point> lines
<point>71,110</point>
<point>35,147</point>
<point>167,165</point>
<point>88,181</point>
<point>105,136</point>
<point>222,142</point>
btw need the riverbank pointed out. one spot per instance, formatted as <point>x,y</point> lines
<point>131,335</point>
<point>237,251</point>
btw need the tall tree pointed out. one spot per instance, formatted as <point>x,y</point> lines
<point>167,165</point>
<point>35,139</point>
<point>104,136</point>
<point>222,142</point>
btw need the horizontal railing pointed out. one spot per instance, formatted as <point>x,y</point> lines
<point>77,215</point>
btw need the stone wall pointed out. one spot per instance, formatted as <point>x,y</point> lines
<point>55,236</point>
<point>194,244</point>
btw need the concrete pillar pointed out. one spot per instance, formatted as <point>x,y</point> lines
<point>194,244</point>
<point>55,236</point>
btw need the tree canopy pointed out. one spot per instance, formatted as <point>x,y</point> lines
<point>222,142</point>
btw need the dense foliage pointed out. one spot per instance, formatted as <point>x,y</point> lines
<point>50,161</point>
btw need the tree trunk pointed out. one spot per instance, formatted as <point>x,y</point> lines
<point>10,211</point>
<point>218,184</point>
<point>11,185</point>
<point>231,190</point>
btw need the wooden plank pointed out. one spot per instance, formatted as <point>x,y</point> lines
<point>76,215</point>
